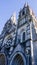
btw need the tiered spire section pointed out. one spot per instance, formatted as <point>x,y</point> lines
<point>25,11</point>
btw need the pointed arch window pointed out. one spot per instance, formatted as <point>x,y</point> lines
<point>23,36</point>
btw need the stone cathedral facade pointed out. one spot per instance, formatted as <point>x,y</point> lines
<point>18,42</point>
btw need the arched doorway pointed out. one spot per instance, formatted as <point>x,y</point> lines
<point>18,60</point>
<point>2,59</point>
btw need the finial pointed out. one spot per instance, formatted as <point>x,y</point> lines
<point>26,4</point>
<point>13,18</point>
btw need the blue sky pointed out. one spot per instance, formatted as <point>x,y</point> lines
<point>8,7</point>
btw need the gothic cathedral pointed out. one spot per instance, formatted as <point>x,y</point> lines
<point>18,40</point>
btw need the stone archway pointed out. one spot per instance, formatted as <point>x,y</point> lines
<point>2,59</point>
<point>18,60</point>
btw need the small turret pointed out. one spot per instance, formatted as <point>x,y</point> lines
<point>13,18</point>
